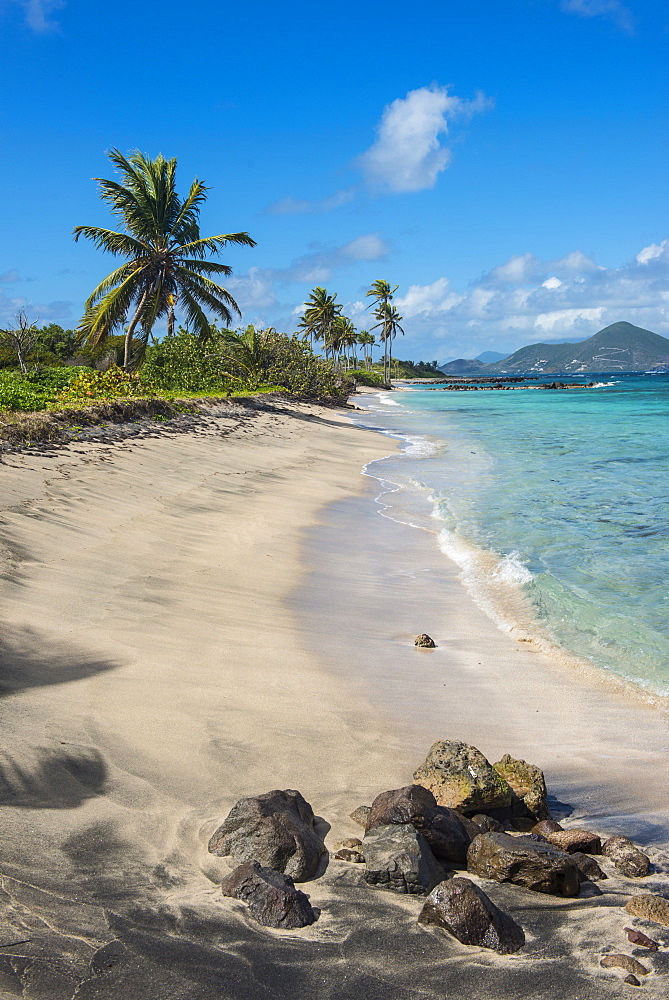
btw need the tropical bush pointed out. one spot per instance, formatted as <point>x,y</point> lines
<point>17,393</point>
<point>362,377</point>
<point>182,363</point>
<point>90,385</point>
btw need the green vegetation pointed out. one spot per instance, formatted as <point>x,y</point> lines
<point>166,257</point>
<point>388,320</point>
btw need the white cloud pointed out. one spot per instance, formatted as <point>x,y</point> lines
<point>38,13</point>
<point>297,206</point>
<point>613,9</point>
<point>408,154</point>
<point>523,300</point>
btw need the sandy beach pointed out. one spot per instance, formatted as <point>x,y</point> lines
<point>189,619</point>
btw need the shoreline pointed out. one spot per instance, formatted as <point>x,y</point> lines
<point>160,634</point>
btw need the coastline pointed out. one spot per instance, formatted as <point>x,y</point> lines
<point>167,653</point>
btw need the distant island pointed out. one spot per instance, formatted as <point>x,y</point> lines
<point>618,347</point>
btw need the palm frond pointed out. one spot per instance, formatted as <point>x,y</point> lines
<point>111,241</point>
<point>214,244</point>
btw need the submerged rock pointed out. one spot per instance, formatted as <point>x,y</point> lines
<point>460,777</point>
<point>527,784</point>
<point>649,907</point>
<point>447,832</point>
<point>536,866</point>
<point>277,830</point>
<point>271,896</point>
<point>399,858</point>
<point>464,910</point>
<point>625,962</point>
<point>576,841</point>
<point>425,641</point>
<point>627,858</point>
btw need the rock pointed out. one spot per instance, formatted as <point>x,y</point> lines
<point>351,842</point>
<point>636,937</point>
<point>425,641</point>
<point>573,841</point>
<point>459,776</point>
<point>527,784</point>
<point>399,858</point>
<point>625,962</point>
<point>631,980</point>
<point>447,832</point>
<point>649,907</point>
<point>349,854</point>
<point>487,824</point>
<point>627,858</point>
<point>546,826</point>
<point>360,815</point>
<point>272,897</point>
<point>540,867</point>
<point>277,830</point>
<point>464,910</point>
<point>588,867</point>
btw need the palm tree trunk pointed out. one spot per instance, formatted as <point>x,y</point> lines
<point>131,329</point>
<point>170,321</point>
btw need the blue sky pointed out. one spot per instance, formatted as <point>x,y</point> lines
<point>504,162</point>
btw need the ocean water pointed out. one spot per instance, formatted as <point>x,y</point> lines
<point>553,503</point>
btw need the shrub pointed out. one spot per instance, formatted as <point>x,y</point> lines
<point>182,364</point>
<point>373,379</point>
<point>17,393</point>
<point>89,384</point>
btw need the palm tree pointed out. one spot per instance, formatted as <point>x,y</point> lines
<point>366,339</point>
<point>165,254</point>
<point>246,351</point>
<point>382,294</point>
<point>389,321</point>
<point>320,312</point>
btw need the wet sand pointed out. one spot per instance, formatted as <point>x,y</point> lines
<point>188,620</point>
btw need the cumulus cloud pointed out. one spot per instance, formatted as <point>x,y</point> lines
<point>525,299</point>
<point>613,9</point>
<point>408,154</point>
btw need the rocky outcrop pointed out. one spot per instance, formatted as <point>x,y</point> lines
<point>627,858</point>
<point>527,785</point>
<point>447,832</point>
<point>573,841</point>
<point>536,866</point>
<point>460,777</point>
<point>625,962</point>
<point>399,858</point>
<point>464,910</point>
<point>271,896</point>
<point>277,830</point>
<point>649,907</point>
<point>425,641</point>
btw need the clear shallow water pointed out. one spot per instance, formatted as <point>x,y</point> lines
<point>553,503</point>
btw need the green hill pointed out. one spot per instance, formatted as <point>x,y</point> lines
<point>619,347</point>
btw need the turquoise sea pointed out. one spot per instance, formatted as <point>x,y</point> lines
<point>554,503</point>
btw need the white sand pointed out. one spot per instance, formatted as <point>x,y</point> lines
<point>159,663</point>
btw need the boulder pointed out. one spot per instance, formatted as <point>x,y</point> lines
<point>447,832</point>
<point>588,867</point>
<point>636,937</point>
<point>536,866</point>
<point>627,858</point>
<point>625,962</point>
<point>360,815</point>
<point>487,824</point>
<point>527,784</point>
<point>271,896</point>
<point>464,910</point>
<point>631,980</point>
<point>277,830</point>
<point>353,843</point>
<point>546,826</point>
<point>649,907</point>
<point>399,858</point>
<point>573,841</point>
<point>425,641</point>
<point>459,777</point>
